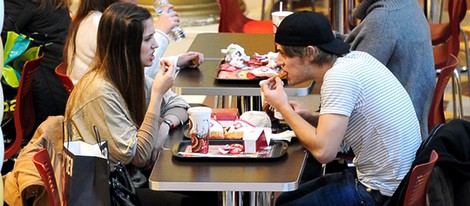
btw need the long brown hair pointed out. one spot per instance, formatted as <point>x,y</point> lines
<point>84,8</point>
<point>120,35</point>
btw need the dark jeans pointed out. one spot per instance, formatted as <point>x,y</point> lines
<point>332,189</point>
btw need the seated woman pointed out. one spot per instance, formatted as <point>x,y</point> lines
<point>117,98</point>
<point>81,45</point>
<point>125,105</point>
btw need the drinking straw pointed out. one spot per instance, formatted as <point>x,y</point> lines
<point>280,6</point>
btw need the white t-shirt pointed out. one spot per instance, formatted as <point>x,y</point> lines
<point>85,45</point>
<point>383,129</point>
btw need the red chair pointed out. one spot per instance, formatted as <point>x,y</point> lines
<point>61,72</point>
<point>441,32</point>
<point>232,20</point>
<point>24,115</point>
<point>42,161</point>
<point>418,183</point>
<point>448,64</point>
<point>448,33</point>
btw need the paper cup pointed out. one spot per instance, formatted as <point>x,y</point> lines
<point>199,128</point>
<point>278,16</point>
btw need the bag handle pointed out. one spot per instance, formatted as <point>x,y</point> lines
<point>103,146</point>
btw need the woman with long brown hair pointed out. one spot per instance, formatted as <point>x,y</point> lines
<point>115,95</point>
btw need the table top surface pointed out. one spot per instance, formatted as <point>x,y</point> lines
<point>172,174</point>
<point>203,81</point>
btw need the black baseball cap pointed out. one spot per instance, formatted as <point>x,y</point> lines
<point>306,28</point>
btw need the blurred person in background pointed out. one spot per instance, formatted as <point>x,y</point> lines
<point>396,32</point>
<point>81,41</point>
<point>47,21</point>
<point>2,148</point>
<point>81,44</point>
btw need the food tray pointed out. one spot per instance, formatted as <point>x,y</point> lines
<point>275,151</point>
<point>239,75</point>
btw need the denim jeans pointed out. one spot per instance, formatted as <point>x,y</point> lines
<point>332,189</point>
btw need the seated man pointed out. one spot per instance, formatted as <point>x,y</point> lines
<point>363,105</point>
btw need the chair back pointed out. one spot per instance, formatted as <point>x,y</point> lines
<point>232,19</point>
<point>42,161</point>
<point>418,182</point>
<point>61,72</point>
<point>457,12</point>
<point>450,31</point>
<point>447,63</point>
<point>24,115</point>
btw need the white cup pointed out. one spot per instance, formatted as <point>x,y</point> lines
<point>278,16</point>
<point>199,128</point>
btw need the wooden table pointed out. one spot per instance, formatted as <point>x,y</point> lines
<point>228,177</point>
<point>202,81</point>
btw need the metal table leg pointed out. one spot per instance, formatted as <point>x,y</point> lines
<point>228,198</point>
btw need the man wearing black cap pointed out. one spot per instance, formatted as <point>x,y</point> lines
<point>363,105</point>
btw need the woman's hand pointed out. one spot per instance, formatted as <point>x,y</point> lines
<point>165,78</point>
<point>167,20</point>
<point>190,59</point>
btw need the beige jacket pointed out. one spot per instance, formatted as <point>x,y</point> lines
<point>24,182</point>
<point>95,102</point>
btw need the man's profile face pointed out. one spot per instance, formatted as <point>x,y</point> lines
<point>294,66</point>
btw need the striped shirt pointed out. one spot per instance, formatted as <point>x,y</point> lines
<point>383,130</point>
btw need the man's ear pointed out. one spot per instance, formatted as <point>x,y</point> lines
<point>312,52</point>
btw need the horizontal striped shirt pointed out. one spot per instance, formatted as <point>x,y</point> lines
<point>383,130</point>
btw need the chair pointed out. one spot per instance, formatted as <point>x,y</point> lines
<point>448,64</point>
<point>341,15</point>
<point>42,161</point>
<point>61,72</point>
<point>24,115</point>
<point>448,33</point>
<point>232,20</point>
<point>417,185</point>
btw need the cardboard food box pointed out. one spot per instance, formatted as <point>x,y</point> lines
<point>225,116</point>
<point>254,140</point>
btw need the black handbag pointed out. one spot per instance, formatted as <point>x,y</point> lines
<point>122,191</point>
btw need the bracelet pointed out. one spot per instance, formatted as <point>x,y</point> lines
<point>169,123</point>
<point>180,121</point>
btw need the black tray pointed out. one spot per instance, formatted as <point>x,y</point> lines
<point>278,149</point>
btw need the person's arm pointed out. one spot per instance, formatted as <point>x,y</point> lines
<point>190,59</point>
<point>174,108</point>
<point>309,116</point>
<point>167,20</point>
<point>322,141</point>
<point>164,81</point>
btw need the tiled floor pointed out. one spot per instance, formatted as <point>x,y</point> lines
<point>311,101</point>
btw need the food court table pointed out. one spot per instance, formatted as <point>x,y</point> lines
<point>203,81</point>
<point>228,176</point>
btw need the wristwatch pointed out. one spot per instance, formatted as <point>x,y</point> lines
<point>169,123</point>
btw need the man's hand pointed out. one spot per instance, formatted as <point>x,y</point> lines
<point>273,92</point>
